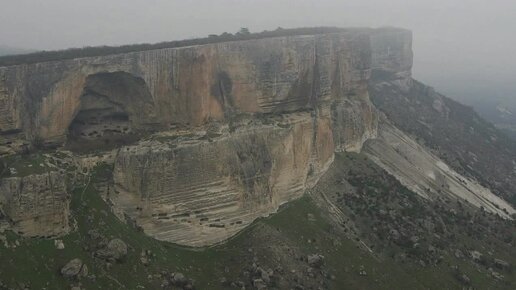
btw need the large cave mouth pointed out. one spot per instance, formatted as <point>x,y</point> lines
<point>115,109</point>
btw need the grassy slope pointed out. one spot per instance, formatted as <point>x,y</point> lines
<point>277,242</point>
<point>38,261</point>
<point>23,165</point>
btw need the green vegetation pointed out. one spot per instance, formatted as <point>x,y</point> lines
<point>423,237</point>
<point>38,262</point>
<point>23,165</point>
<point>281,242</point>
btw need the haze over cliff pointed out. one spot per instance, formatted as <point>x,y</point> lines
<point>193,144</point>
<point>469,44</point>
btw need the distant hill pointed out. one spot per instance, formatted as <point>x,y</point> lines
<point>494,100</point>
<point>502,113</point>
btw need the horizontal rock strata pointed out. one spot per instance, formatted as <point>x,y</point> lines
<point>201,192</point>
<point>424,173</point>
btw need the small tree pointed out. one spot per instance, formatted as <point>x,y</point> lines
<point>244,31</point>
<point>226,35</point>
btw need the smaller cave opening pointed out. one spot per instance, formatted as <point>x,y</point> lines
<point>109,114</point>
<point>99,123</point>
<point>101,129</point>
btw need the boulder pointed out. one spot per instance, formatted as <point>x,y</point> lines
<point>464,279</point>
<point>144,259</point>
<point>501,264</point>
<point>315,261</point>
<point>59,244</point>
<point>259,284</point>
<point>265,276</point>
<point>179,279</point>
<point>75,268</point>
<point>394,234</point>
<point>116,249</point>
<point>476,256</point>
<point>458,254</point>
<point>497,275</point>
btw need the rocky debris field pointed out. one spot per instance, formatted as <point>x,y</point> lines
<point>394,222</point>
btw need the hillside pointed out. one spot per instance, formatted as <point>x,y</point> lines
<point>385,234</point>
<point>453,131</point>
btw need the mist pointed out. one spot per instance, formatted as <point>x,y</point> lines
<point>463,48</point>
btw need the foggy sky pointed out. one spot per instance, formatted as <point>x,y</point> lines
<point>473,41</point>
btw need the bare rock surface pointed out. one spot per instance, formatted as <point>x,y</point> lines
<point>36,205</point>
<point>188,86</point>
<point>427,175</point>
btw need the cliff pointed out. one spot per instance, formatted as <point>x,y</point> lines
<point>202,139</point>
<point>263,118</point>
<point>392,52</point>
<point>202,191</point>
<point>101,156</point>
<point>184,86</point>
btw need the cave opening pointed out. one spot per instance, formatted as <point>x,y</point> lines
<point>115,109</point>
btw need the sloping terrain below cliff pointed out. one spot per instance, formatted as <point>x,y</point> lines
<point>454,132</point>
<point>387,237</point>
<point>427,175</point>
<point>443,243</point>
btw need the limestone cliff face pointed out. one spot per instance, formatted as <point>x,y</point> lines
<point>244,126</point>
<point>221,134</point>
<point>392,51</point>
<point>187,86</point>
<point>35,205</point>
<point>200,192</point>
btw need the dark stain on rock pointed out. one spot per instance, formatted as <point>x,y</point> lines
<point>222,90</point>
